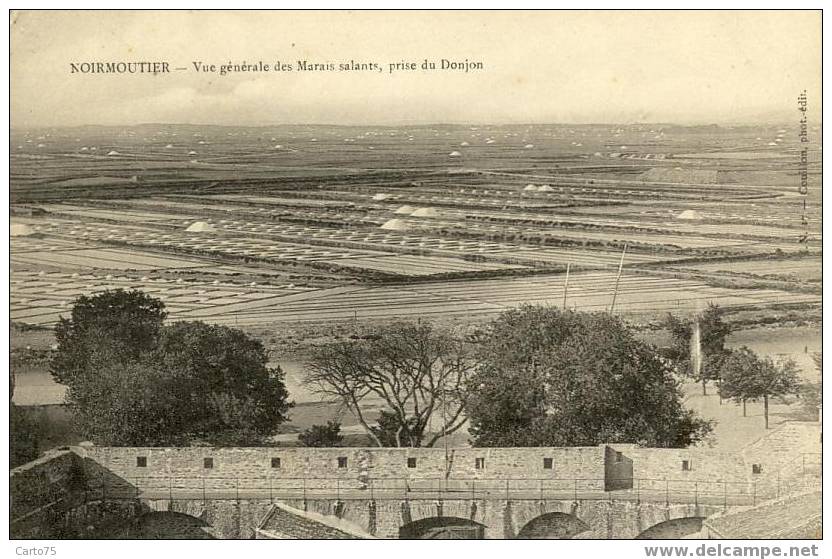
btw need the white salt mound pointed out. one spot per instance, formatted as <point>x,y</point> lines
<point>20,230</point>
<point>200,227</point>
<point>394,225</point>
<point>425,212</point>
<point>689,214</point>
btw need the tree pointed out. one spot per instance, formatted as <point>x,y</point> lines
<point>24,432</point>
<point>224,373</point>
<point>811,392</point>
<point>713,331</point>
<point>328,435</point>
<point>129,404</point>
<point>555,378</point>
<point>24,436</point>
<point>148,384</point>
<point>415,370</point>
<point>129,322</point>
<point>747,377</point>
<point>389,428</point>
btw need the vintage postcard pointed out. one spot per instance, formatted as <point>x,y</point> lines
<point>416,275</point>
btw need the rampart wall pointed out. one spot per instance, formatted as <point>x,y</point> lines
<point>686,464</point>
<point>351,465</point>
<point>608,491</point>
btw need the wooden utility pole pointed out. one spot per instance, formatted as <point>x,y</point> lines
<point>445,429</point>
<point>566,284</point>
<point>618,279</point>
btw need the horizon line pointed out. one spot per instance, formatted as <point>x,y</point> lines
<point>427,124</point>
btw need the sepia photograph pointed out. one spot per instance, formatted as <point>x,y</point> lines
<point>419,275</point>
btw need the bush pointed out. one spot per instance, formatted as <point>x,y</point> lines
<point>322,436</point>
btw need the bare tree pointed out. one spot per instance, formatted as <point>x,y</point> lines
<point>416,370</point>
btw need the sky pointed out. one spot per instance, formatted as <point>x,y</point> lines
<point>538,67</point>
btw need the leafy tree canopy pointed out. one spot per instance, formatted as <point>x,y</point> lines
<point>128,322</point>
<point>164,385</point>
<point>328,435</point>
<point>555,378</point>
<point>811,393</point>
<point>24,436</point>
<point>243,400</point>
<point>713,331</point>
<point>745,376</point>
<point>25,433</point>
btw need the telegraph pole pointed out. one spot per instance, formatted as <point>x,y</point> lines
<point>618,278</point>
<point>445,427</point>
<point>566,284</point>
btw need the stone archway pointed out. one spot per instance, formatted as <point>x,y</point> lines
<point>553,526</point>
<point>167,525</point>
<point>673,529</point>
<point>442,528</point>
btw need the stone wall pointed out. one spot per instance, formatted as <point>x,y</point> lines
<point>618,468</point>
<point>673,529</point>
<point>702,464</point>
<point>780,451</point>
<point>35,487</point>
<point>712,474</point>
<point>285,522</point>
<point>354,467</point>
<point>222,519</point>
<point>385,519</point>
<point>42,481</point>
<point>598,519</point>
<point>41,491</point>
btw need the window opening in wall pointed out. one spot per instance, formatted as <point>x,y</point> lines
<point>208,463</point>
<point>686,466</point>
<point>479,463</point>
<point>619,457</point>
<point>548,463</point>
<point>411,462</point>
<point>342,461</point>
<point>275,462</point>
<point>141,461</point>
<point>756,468</point>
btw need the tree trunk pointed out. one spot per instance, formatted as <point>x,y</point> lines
<point>364,424</point>
<point>704,387</point>
<point>743,408</point>
<point>765,408</point>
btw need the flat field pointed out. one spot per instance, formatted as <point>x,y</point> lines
<point>378,222</point>
<point>807,269</point>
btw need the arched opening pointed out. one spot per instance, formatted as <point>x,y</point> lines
<point>673,529</point>
<point>170,526</point>
<point>553,526</point>
<point>442,528</point>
